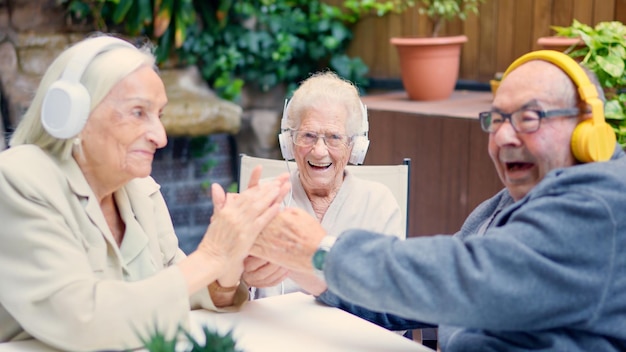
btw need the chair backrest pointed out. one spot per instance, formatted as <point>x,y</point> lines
<point>395,177</point>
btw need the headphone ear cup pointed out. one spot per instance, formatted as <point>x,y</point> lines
<point>65,109</point>
<point>359,149</point>
<point>593,142</point>
<point>286,145</point>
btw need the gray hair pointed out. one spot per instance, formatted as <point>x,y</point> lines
<point>324,88</point>
<point>569,93</point>
<point>595,81</point>
<point>102,73</point>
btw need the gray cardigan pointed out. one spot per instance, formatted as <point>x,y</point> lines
<point>545,273</point>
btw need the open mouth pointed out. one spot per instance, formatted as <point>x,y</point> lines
<point>517,166</point>
<point>319,166</point>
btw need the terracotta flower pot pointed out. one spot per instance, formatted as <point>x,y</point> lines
<point>562,44</point>
<point>429,65</point>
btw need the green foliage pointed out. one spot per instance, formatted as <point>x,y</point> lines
<point>157,342</point>
<point>165,21</point>
<point>269,42</point>
<point>437,11</point>
<point>212,341</point>
<point>604,53</point>
<point>235,42</point>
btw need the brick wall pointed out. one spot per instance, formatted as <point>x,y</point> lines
<point>183,177</point>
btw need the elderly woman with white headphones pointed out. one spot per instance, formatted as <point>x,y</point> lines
<point>89,258</point>
<point>324,127</point>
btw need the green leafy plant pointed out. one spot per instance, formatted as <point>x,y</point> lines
<point>269,42</point>
<point>437,11</point>
<point>235,42</point>
<point>604,53</point>
<point>212,341</point>
<point>165,21</point>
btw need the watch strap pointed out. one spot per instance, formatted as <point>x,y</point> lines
<point>319,257</point>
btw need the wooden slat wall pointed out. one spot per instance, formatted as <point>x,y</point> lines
<point>451,170</point>
<point>503,30</point>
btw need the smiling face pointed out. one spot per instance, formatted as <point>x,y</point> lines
<point>523,159</point>
<point>321,168</point>
<point>124,131</point>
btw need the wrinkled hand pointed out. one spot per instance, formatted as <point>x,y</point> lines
<point>261,273</point>
<point>238,220</point>
<point>290,240</point>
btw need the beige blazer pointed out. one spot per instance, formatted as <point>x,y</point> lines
<point>64,281</point>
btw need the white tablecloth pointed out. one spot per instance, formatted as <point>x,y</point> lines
<point>292,322</point>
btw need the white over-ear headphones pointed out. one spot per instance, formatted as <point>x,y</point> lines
<point>360,141</point>
<point>67,102</point>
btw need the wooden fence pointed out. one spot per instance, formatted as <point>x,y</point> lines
<point>503,30</point>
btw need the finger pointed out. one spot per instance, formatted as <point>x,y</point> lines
<point>276,277</point>
<point>281,181</point>
<point>284,177</point>
<point>235,227</point>
<point>289,240</point>
<point>254,202</point>
<point>219,197</point>
<point>260,196</point>
<point>284,190</point>
<point>231,196</point>
<point>255,176</point>
<point>267,275</point>
<point>239,221</point>
<point>263,219</point>
<point>252,263</point>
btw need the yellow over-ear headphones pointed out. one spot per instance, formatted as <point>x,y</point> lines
<point>593,139</point>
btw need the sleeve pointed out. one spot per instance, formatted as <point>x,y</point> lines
<point>521,275</point>
<point>172,254</point>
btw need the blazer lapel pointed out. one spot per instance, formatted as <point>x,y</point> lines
<point>78,184</point>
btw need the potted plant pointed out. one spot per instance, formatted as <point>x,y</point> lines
<point>210,341</point>
<point>430,65</point>
<point>602,49</point>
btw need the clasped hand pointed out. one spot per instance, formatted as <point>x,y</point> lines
<point>237,221</point>
<point>284,248</point>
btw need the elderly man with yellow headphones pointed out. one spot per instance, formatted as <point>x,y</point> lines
<point>538,267</point>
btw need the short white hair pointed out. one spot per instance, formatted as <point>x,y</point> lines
<point>325,88</point>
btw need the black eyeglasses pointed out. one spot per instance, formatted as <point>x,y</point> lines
<point>309,139</point>
<point>523,120</point>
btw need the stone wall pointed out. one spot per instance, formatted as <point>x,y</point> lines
<point>33,32</point>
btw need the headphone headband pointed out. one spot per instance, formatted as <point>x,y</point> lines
<point>89,50</point>
<point>587,90</point>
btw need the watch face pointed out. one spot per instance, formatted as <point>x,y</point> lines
<point>318,258</point>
